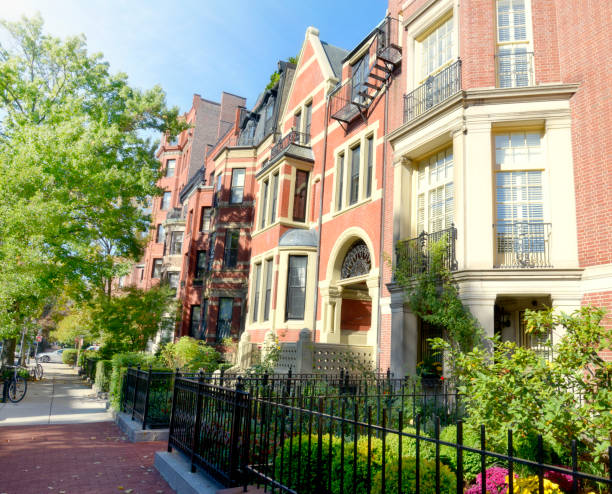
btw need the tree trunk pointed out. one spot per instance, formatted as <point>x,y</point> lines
<point>8,352</point>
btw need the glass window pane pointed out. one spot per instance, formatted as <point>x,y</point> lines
<point>296,287</point>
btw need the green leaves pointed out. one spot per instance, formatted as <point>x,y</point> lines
<point>76,169</point>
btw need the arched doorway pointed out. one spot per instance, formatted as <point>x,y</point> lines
<point>351,298</point>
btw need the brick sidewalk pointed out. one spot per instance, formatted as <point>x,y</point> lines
<point>77,459</point>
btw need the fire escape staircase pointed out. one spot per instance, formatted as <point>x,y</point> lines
<point>355,98</point>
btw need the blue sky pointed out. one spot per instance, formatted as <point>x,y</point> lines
<point>204,46</point>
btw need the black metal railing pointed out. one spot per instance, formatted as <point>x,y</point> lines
<point>414,255</point>
<point>147,396</point>
<point>344,102</point>
<point>296,446</point>
<point>210,424</point>
<point>293,137</point>
<point>387,41</point>
<point>434,91</point>
<point>514,69</point>
<point>523,245</point>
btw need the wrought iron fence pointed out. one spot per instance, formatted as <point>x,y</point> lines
<point>434,91</point>
<point>293,137</point>
<point>210,424</point>
<point>413,255</point>
<point>523,245</point>
<point>147,396</point>
<point>299,447</point>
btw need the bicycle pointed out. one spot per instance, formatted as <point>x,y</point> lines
<point>36,371</point>
<point>17,385</point>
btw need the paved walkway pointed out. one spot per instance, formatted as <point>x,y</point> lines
<point>60,439</point>
<point>60,398</point>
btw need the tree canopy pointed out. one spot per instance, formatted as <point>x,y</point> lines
<point>77,169</point>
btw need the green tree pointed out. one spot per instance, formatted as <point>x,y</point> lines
<point>76,169</point>
<point>126,322</point>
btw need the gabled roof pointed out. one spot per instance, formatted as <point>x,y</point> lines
<point>335,55</point>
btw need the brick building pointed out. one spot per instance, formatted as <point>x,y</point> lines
<point>482,121</point>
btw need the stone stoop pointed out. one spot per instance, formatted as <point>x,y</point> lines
<point>176,470</point>
<point>134,431</point>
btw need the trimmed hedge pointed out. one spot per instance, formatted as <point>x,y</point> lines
<point>87,354</point>
<point>69,356</point>
<point>104,369</point>
<point>427,477</point>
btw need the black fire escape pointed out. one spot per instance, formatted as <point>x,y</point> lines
<point>356,96</point>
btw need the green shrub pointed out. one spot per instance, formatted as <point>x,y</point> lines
<point>69,356</point>
<point>190,354</point>
<point>87,354</point>
<point>471,461</point>
<point>305,479</point>
<point>427,449</point>
<point>427,478</point>
<point>120,362</point>
<point>104,369</point>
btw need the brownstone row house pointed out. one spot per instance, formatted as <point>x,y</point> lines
<point>484,121</point>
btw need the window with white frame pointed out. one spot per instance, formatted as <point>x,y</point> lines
<point>264,204</point>
<point>237,190</point>
<point>437,48</point>
<point>435,192</point>
<point>519,193</point>
<point>514,59</point>
<point>268,290</point>
<point>165,201</point>
<point>274,198</point>
<point>296,288</point>
<point>355,174</point>
<point>170,166</point>
<point>256,292</point>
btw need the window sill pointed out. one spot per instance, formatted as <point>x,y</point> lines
<point>352,206</point>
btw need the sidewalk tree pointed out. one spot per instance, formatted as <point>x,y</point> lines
<point>76,168</point>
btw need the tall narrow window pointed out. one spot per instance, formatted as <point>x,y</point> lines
<point>264,204</point>
<point>354,182</point>
<point>170,166</point>
<point>160,234</point>
<point>200,268</point>
<point>224,320</point>
<point>296,287</point>
<point>230,256</point>
<point>514,61</point>
<point>165,201</point>
<point>300,196</point>
<point>257,291</point>
<point>370,164</point>
<point>340,178</point>
<point>268,292</point>
<point>205,221</point>
<point>307,122</point>
<point>359,76</point>
<point>189,220</point>
<point>173,281</point>
<point>237,192</point>
<point>274,197</point>
<point>435,192</point>
<point>437,48</point>
<point>176,243</point>
<point>156,271</point>
<point>297,122</point>
<point>194,322</point>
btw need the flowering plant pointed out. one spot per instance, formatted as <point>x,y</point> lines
<point>496,482</point>
<point>429,367</point>
<point>530,485</point>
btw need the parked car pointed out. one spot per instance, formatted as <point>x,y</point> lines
<point>55,356</point>
<point>94,348</point>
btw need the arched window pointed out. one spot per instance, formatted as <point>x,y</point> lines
<point>357,261</point>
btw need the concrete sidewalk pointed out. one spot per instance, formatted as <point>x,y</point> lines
<point>60,398</point>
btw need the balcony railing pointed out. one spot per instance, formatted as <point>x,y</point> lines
<point>414,254</point>
<point>292,137</point>
<point>523,245</point>
<point>514,69</point>
<point>387,42</point>
<point>434,91</point>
